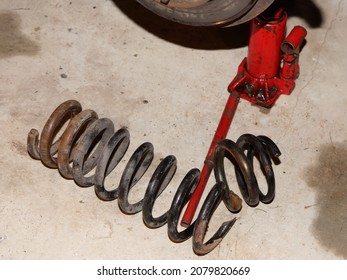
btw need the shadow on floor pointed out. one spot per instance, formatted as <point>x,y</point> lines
<point>12,40</point>
<point>305,9</point>
<point>328,178</point>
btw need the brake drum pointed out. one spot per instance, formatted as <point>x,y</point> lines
<point>207,12</point>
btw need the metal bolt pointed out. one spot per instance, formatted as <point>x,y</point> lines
<point>260,95</point>
<point>249,89</point>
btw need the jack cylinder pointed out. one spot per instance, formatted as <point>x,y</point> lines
<point>294,40</point>
<point>267,36</point>
<point>291,49</point>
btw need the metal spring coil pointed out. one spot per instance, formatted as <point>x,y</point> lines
<point>90,143</point>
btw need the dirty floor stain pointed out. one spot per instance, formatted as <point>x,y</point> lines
<point>12,40</point>
<point>19,148</point>
<point>328,178</point>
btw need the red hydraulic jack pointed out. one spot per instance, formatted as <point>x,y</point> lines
<point>270,69</point>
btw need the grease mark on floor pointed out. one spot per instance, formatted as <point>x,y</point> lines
<point>12,40</point>
<point>328,177</point>
<point>19,148</point>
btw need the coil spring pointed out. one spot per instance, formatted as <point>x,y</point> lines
<point>90,143</point>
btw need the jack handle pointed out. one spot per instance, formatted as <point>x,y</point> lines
<point>221,133</point>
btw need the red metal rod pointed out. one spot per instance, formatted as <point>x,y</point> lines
<point>221,133</point>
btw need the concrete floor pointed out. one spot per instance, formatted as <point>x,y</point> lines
<point>167,84</point>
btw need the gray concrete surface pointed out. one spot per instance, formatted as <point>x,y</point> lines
<point>167,84</point>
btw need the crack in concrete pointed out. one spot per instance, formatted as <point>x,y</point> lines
<point>315,65</point>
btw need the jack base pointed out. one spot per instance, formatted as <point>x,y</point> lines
<point>262,92</point>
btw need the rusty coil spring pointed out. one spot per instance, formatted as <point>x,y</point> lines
<point>89,143</point>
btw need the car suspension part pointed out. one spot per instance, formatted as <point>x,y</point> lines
<point>91,143</point>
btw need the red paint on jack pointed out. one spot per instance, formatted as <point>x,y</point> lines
<point>260,78</point>
<point>269,70</point>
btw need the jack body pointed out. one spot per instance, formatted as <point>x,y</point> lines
<point>272,64</point>
<point>269,70</point>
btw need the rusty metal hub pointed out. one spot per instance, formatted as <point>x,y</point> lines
<point>207,12</point>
